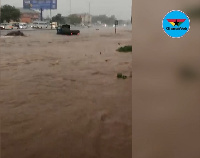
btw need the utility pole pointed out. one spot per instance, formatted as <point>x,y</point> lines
<point>131,13</point>
<point>50,16</point>
<point>70,9</point>
<point>41,17</point>
<point>50,19</point>
<point>89,7</point>
<point>116,23</point>
<point>89,15</point>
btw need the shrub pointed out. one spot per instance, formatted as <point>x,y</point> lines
<point>125,49</point>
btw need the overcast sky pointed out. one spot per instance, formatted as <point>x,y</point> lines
<point>120,8</point>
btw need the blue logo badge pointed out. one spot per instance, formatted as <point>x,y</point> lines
<point>176,24</point>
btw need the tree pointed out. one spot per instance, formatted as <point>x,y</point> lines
<point>59,19</point>
<point>9,13</point>
<point>47,18</point>
<point>104,19</point>
<point>74,19</point>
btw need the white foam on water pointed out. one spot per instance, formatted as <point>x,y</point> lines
<point>6,36</point>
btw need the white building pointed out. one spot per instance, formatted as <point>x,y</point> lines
<point>86,18</point>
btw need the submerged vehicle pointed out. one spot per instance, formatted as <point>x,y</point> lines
<point>65,30</point>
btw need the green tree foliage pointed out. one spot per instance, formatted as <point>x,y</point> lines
<point>74,19</point>
<point>9,13</point>
<point>59,19</point>
<point>104,19</point>
<point>122,22</point>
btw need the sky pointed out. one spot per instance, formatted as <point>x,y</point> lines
<point>120,8</point>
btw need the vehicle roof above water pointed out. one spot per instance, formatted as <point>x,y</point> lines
<point>64,26</point>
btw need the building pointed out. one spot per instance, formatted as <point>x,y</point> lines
<point>29,15</point>
<point>86,19</point>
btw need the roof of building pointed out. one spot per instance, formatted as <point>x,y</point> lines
<point>22,10</point>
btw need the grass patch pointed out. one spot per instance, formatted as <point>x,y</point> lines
<point>119,75</point>
<point>125,49</point>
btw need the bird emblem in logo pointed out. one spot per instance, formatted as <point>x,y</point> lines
<point>176,22</point>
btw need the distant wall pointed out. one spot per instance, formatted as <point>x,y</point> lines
<point>29,17</point>
<point>26,20</point>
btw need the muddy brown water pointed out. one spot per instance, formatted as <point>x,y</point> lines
<point>60,98</point>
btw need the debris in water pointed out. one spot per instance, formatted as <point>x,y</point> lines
<point>15,33</point>
<point>107,60</point>
<point>57,62</point>
<point>119,75</point>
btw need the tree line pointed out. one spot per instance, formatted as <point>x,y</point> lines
<point>10,13</point>
<point>104,19</point>
<point>71,19</point>
<point>76,19</point>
